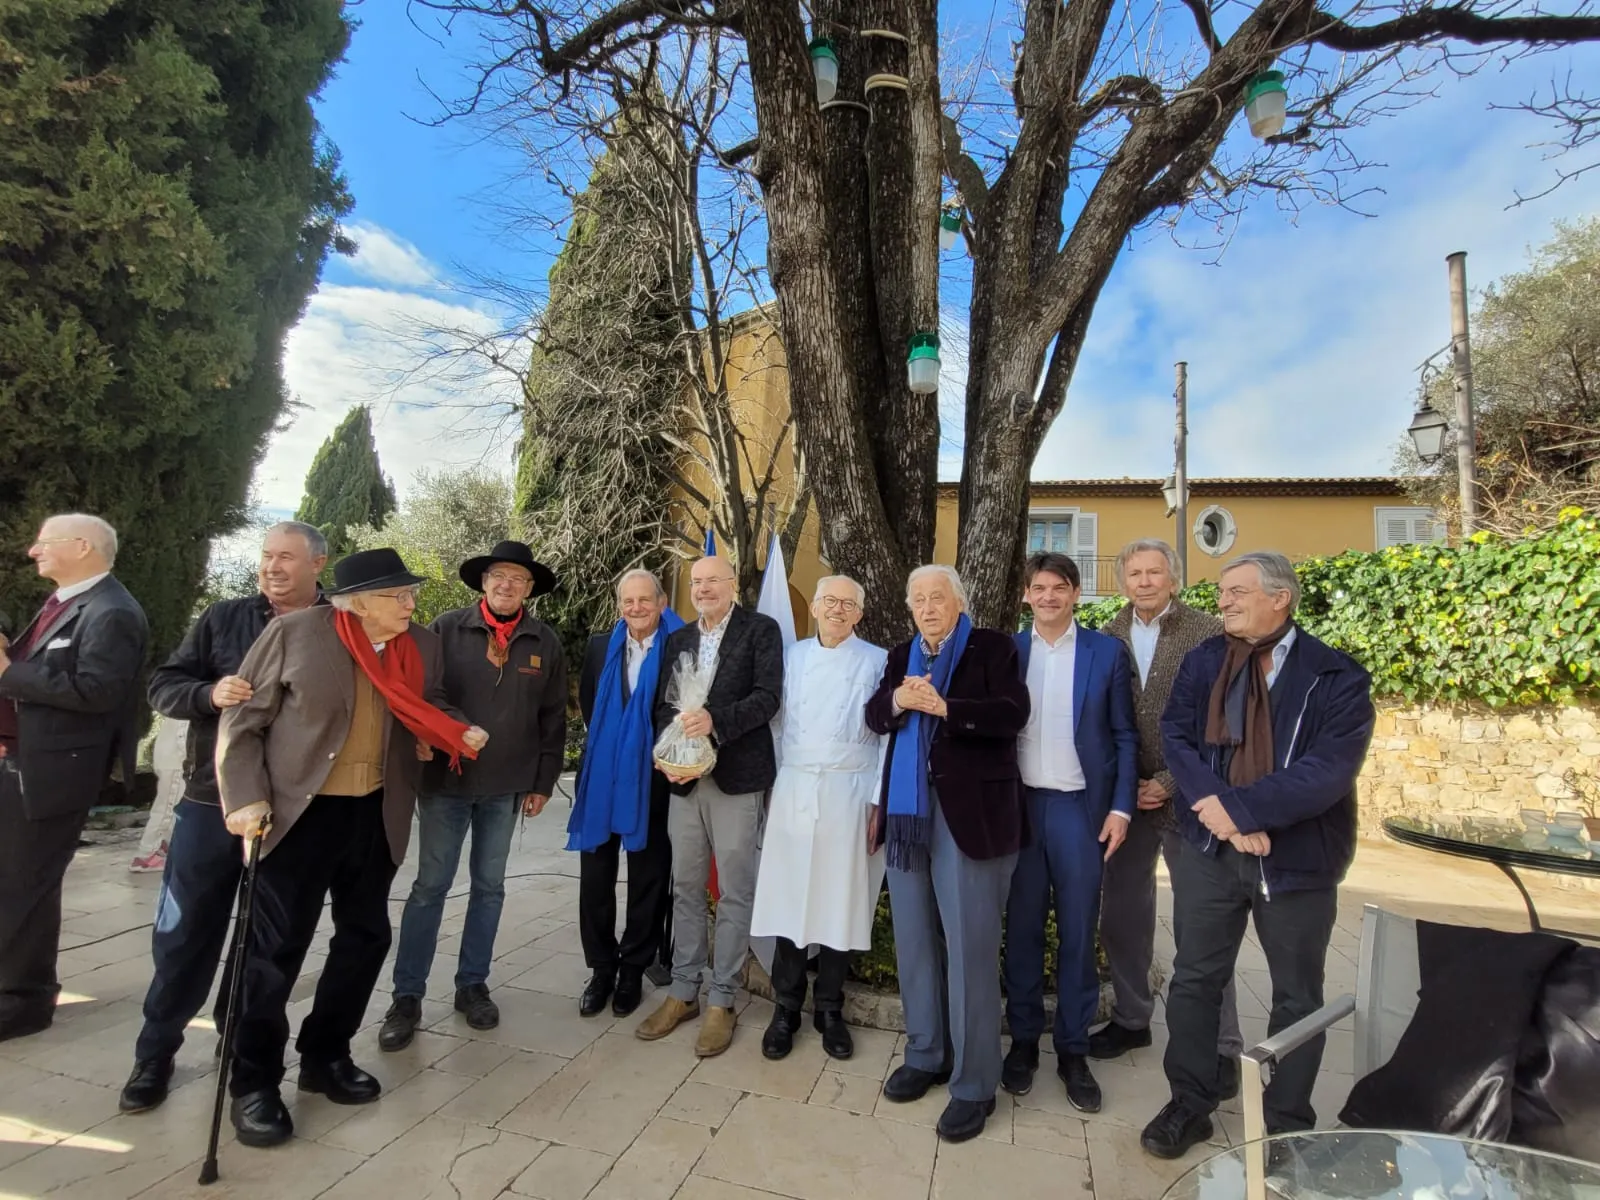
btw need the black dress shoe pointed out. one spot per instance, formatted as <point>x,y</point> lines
<point>836,1039</point>
<point>261,1120</point>
<point>596,993</point>
<point>963,1120</point>
<point>25,1024</point>
<point>147,1086</point>
<point>909,1083</point>
<point>400,1023</point>
<point>1227,1077</point>
<point>779,1038</point>
<point>629,993</point>
<point>659,974</point>
<point>340,1081</point>
<point>1175,1131</point>
<point>473,1002</point>
<point>1083,1093</point>
<point>1016,1073</point>
<point>1116,1040</point>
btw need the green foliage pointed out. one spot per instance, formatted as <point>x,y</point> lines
<point>603,390</point>
<point>346,488</point>
<point>448,517</point>
<point>166,205</point>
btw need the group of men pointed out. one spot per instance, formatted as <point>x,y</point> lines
<point>988,775</point>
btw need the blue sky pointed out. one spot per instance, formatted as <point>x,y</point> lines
<point>1302,339</point>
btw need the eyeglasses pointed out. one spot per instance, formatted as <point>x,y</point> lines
<point>56,541</point>
<point>1236,593</point>
<point>848,606</point>
<point>700,583</point>
<point>404,596</point>
<point>506,577</point>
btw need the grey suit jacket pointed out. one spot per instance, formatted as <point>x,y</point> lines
<point>279,745</point>
<point>1182,630</point>
<point>77,697</point>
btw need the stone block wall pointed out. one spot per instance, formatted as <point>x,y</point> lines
<point>1428,760</point>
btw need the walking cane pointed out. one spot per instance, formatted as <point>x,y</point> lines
<point>235,985</point>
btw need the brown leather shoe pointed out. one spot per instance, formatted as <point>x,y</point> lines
<point>716,1033</point>
<point>672,1013</point>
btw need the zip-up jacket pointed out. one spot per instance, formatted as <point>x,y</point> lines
<point>522,704</point>
<point>1322,718</point>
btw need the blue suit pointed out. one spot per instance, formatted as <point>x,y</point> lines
<point>1065,854</point>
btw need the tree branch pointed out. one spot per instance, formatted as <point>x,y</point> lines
<point>1202,19</point>
<point>1456,23</point>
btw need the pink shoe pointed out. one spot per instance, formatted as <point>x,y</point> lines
<point>155,861</point>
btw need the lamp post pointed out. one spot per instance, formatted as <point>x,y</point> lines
<point>1461,360</point>
<point>1177,491</point>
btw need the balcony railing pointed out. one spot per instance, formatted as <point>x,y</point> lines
<point>1099,575</point>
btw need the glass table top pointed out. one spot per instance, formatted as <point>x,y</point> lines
<point>1537,842</point>
<point>1376,1165</point>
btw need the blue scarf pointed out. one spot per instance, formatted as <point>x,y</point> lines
<point>614,779</point>
<point>910,811</point>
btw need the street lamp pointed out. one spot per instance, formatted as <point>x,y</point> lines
<point>922,363</point>
<point>1169,490</point>
<point>1266,104</point>
<point>1427,432</point>
<point>949,228</point>
<point>825,66</point>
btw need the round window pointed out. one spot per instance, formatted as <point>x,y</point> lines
<point>1215,530</point>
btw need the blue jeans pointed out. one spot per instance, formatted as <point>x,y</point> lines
<point>198,885</point>
<point>444,820</point>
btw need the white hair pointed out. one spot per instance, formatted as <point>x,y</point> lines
<point>641,573</point>
<point>949,573</point>
<point>861,592</point>
<point>1146,546</point>
<point>97,532</point>
<point>1275,571</point>
<point>344,603</point>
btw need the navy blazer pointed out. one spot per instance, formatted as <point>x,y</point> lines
<point>1105,729</point>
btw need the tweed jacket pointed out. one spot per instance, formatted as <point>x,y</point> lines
<point>280,744</point>
<point>1182,629</point>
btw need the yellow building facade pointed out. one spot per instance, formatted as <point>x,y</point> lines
<point>1089,519</point>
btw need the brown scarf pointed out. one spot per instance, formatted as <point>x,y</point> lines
<point>1252,755</point>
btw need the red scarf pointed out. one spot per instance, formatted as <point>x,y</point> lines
<point>398,675</point>
<point>500,631</point>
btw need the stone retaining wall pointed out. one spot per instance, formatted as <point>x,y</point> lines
<point>1428,760</point>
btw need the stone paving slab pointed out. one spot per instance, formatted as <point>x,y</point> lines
<point>551,1106</point>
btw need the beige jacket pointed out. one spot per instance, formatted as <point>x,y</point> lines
<point>1182,630</point>
<point>279,745</point>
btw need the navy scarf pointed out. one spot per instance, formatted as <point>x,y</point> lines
<point>910,809</point>
<point>614,780</point>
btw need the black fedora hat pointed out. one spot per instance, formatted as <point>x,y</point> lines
<point>544,579</point>
<point>370,571</point>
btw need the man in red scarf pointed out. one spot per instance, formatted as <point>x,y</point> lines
<point>326,752</point>
<point>505,669</point>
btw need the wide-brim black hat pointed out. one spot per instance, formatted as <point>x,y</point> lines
<point>371,571</point>
<point>544,579</point>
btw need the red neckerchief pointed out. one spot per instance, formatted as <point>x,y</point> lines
<point>500,631</point>
<point>397,673</point>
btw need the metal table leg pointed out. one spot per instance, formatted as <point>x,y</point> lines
<point>1533,914</point>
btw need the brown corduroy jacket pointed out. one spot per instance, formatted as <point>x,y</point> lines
<point>1182,629</point>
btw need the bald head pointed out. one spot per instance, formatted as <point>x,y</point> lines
<point>712,583</point>
<point>72,547</point>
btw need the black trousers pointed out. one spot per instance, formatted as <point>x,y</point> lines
<point>789,977</point>
<point>198,886</point>
<point>34,857</point>
<point>337,850</point>
<point>649,898</point>
<point>1212,898</point>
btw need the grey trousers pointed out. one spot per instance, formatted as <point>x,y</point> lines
<point>1128,930</point>
<point>950,978</point>
<point>708,822</point>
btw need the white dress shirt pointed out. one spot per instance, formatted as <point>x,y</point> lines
<point>637,652</point>
<point>711,641</point>
<point>1280,654</point>
<point>63,594</point>
<point>1144,638</point>
<point>1047,750</point>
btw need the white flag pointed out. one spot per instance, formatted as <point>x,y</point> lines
<point>774,599</point>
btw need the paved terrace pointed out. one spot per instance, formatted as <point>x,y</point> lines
<point>555,1107</point>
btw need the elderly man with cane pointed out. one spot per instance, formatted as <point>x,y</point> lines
<point>344,703</point>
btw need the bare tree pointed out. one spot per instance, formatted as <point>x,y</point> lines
<point>1108,117</point>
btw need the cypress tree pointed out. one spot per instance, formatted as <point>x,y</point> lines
<point>346,488</point>
<point>166,205</point>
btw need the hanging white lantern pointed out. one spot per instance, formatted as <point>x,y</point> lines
<point>950,228</point>
<point>1266,104</point>
<point>922,363</point>
<point>825,66</point>
<point>1427,432</point>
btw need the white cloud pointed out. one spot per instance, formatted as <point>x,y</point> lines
<point>386,258</point>
<point>367,345</point>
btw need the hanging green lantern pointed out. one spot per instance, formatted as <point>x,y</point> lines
<point>825,66</point>
<point>922,363</point>
<point>1266,104</point>
<point>949,228</point>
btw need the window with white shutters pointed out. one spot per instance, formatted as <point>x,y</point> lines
<point>1407,526</point>
<point>1085,553</point>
